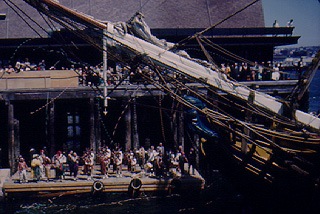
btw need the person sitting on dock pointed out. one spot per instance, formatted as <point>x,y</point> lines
<point>22,169</point>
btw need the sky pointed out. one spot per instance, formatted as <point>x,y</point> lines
<point>305,15</point>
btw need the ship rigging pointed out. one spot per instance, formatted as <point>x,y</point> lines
<point>263,134</point>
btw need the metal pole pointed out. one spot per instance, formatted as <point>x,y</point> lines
<point>90,11</point>
<point>105,58</point>
<point>7,24</point>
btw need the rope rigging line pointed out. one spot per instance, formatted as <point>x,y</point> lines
<point>25,21</point>
<point>255,142</point>
<point>213,26</point>
<point>235,56</point>
<point>29,26</point>
<point>151,9</point>
<point>51,101</point>
<point>28,17</point>
<point>142,6</point>
<point>161,120</point>
<point>55,29</point>
<point>103,124</point>
<point>188,104</point>
<point>122,113</point>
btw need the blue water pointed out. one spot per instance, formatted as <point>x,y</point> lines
<point>314,93</point>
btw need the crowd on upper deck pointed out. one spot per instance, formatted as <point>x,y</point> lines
<point>257,72</point>
<point>93,75</point>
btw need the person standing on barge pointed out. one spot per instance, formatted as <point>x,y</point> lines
<point>22,169</point>
<point>57,165</point>
<point>46,165</point>
<point>75,163</point>
<point>118,161</point>
<point>35,167</point>
<point>192,160</point>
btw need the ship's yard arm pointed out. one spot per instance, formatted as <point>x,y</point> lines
<point>173,61</point>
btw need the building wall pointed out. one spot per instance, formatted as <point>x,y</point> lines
<point>158,14</point>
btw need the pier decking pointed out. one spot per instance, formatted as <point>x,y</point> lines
<point>130,182</point>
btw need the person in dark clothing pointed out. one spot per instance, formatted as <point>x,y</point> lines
<point>70,162</point>
<point>182,160</point>
<point>235,74</point>
<point>192,161</point>
<point>159,165</point>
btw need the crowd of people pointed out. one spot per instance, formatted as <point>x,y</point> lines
<point>154,162</point>
<point>93,75</point>
<point>258,72</point>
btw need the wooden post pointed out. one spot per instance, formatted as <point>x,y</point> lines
<point>181,129</point>
<point>128,128</point>
<point>174,129</point>
<point>92,127</point>
<point>248,118</point>
<point>197,149</point>
<point>135,126</point>
<point>52,144</point>
<point>97,126</point>
<point>16,151</point>
<point>11,138</point>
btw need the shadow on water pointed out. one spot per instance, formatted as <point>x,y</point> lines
<point>220,196</point>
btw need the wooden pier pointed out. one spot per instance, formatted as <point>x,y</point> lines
<point>132,183</point>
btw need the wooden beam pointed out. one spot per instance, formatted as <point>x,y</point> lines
<point>181,128</point>
<point>97,125</point>
<point>92,125</point>
<point>52,143</point>
<point>135,126</point>
<point>128,127</point>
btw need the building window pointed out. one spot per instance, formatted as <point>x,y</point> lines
<point>73,131</point>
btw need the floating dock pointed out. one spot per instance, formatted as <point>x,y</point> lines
<point>130,182</point>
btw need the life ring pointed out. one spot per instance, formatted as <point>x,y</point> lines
<point>134,187</point>
<point>135,184</point>
<point>97,186</point>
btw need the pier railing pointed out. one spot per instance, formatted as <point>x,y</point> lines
<point>51,79</point>
<point>39,79</point>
